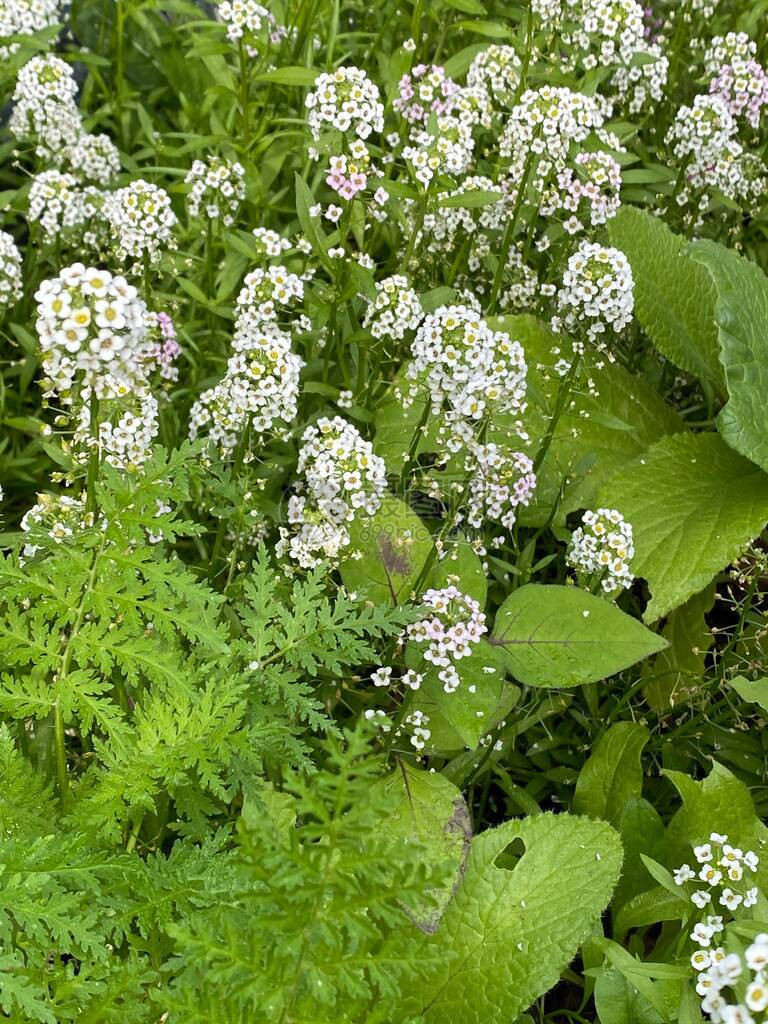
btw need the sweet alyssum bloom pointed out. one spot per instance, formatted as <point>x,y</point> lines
<point>141,220</point>
<point>259,389</point>
<point>544,125</point>
<point>468,369</point>
<point>501,481</point>
<point>597,292</point>
<point>452,626</point>
<point>343,480</point>
<point>90,323</point>
<point>44,106</point>
<point>68,212</point>
<point>218,187</point>
<point>442,148</point>
<point>10,272</point>
<point>92,158</point>
<point>127,425</point>
<point>270,243</point>
<point>603,547</point>
<point>347,101</point>
<point>425,90</point>
<point>266,293</point>
<point>497,70</point>
<point>25,18</point>
<point>395,311</point>
<point>54,519</point>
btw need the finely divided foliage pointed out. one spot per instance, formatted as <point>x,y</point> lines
<point>384,490</point>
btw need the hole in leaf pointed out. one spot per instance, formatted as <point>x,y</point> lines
<point>510,856</point>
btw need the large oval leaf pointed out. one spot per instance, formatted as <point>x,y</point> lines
<point>564,636</point>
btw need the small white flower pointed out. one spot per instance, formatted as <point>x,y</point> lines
<point>381,677</point>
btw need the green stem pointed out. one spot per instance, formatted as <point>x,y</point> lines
<point>509,233</point>
<point>417,226</point>
<point>91,505</point>
<point>245,128</point>
<point>414,445</point>
<point>130,846</point>
<point>563,394</point>
<point>61,752</point>
<point>120,68</point>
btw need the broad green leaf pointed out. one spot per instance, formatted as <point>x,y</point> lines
<point>427,807</point>
<point>651,907</point>
<point>564,636</point>
<point>718,803</point>
<point>694,505</point>
<point>658,983</point>
<point>613,773</point>
<point>290,76</point>
<point>674,296</point>
<point>754,691</point>
<point>642,832</point>
<point>460,719</point>
<point>510,931</point>
<point>393,545</point>
<point>614,416</point>
<point>618,1002</point>
<point>676,671</point>
<point>461,567</point>
<point>397,425</point>
<point>741,313</point>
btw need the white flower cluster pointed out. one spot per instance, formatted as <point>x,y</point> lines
<point>220,185</point>
<point>609,32</point>
<point>726,49</point>
<point>703,139</point>
<point>722,866</point>
<point>44,105</point>
<point>66,211</point>
<point>497,70</point>
<point>343,479</point>
<point>141,221</point>
<point>586,193</point>
<point>90,323</point>
<point>270,243</point>
<point>345,100</point>
<point>603,547</point>
<point>260,388</point>
<point>426,90</point>
<point>54,518</point>
<point>746,977</point>
<point>639,84</point>
<point>597,292</point>
<point>243,17</point>
<point>127,424</point>
<point>93,158</point>
<point>501,481</point>
<point>447,149</point>
<point>10,271</point>
<point>261,385</point>
<point>395,311</point>
<point>25,18</point>
<point>548,12</point>
<point>544,125</point>
<point>264,293</point>
<point>468,369</point>
<point>452,627</point>
<point>473,107</point>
